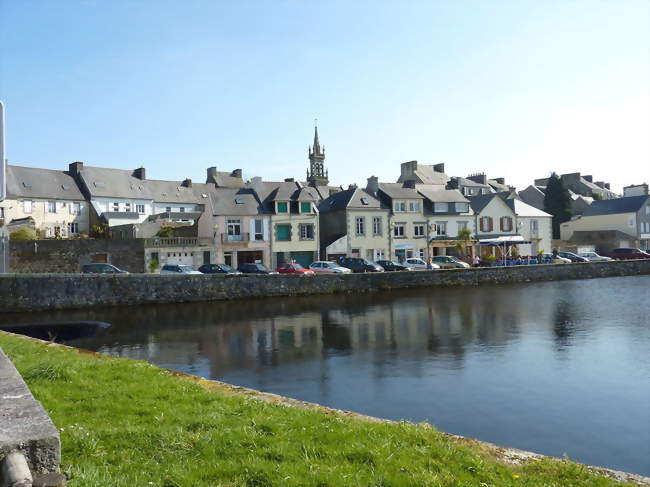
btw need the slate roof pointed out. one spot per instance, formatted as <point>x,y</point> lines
<point>352,199</point>
<point>468,182</point>
<point>106,182</point>
<point>227,180</point>
<point>234,201</point>
<point>428,176</point>
<point>398,191</point>
<point>271,191</point>
<point>481,201</point>
<point>629,204</point>
<point>497,186</point>
<point>170,192</point>
<point>442,195</point>
<point>524,209</point>
<point>32,182</point>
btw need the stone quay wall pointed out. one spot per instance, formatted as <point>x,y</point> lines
<point>31,292</point>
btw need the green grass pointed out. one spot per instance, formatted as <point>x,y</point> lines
<point>127,423</point>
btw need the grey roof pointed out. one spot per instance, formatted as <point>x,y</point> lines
<point>442,195</point>
<point>497,186</point>
<point>355,198</point>
<point>630,204</point>
<point>32,182</point>
<point>307,194</point>
<point>481,201</point>
<point>170,192</point>
<point>227,180</point>
<point>427,175</point>
<point>234,201</point>
<point>397,191</point>
<point>468,182</point>
<point>323,190</point>
<point>106,182</point>
<point>524,209</point>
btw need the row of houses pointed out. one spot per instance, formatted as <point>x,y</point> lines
<point>228,219</point>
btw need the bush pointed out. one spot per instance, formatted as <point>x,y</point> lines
<point>154,266</point>
<point>165,231</point>
<point>23,234</point>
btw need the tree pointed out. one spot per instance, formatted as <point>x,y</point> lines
<point>557,202</point>
<point>22,234</point>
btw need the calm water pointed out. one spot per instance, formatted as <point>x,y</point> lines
<point>556,368</point>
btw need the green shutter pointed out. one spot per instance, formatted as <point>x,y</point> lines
<point>283,207</point>
<point>305,207</point>
<point>283,232</point>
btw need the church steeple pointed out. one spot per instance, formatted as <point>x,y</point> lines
<point>316,174</point>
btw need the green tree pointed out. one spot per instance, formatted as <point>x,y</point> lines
<point>557,202</point>
<point>23,234</point>
<point>165,231</point>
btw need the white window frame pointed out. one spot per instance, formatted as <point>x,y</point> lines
<point>419,230</point>
<point>139,208</point>
<point>28,206</point>
<point>399,230</point>
<point>116,206</point>
<point>461,226</point>
<point>441,229</point>
<point>441,207</point>
<point>75,208</point>
<point>461,207</point>
<point>73,228</point>
<point>50,207</point>
<point>376,226</point>
<point>399,206</point>
<point>360,225</point>
<point>304,234</point>
<point>414,206</point>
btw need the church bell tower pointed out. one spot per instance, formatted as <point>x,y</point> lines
<point>316,174</point>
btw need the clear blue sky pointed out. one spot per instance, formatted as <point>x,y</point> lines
<point>513,88</point>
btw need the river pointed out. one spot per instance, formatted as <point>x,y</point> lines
<point>558,368</point>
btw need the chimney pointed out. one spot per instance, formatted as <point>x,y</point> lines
<point>236,173</point>
<point>409,184</point>
<point>139,173</point>
<point>600,184</point>
<point>500,180</point>
<point>373,185</point>
<point>75,167</point>
<point>256,184</point>
<point>607,186</point>
<point>409,168</point>
<point>289,180</point>
<point>589,178</point>
<point>187,183</point>
<point>212,175</point>
<point>352,186</point>
<point>439,167</point>
<point>480,178</point>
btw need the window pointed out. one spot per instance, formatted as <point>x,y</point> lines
<point>182,209</point>
<point>75,208</point>
<point>259,229</point>
<point>399,206</point>
<point>462,207</point>
<point>418,230</point>
<point>282,207</point>
<point>440,207</point>
<point>462,226</point>
<point>73,228</point>
<point>27,206</point>
<point>139,209</point>
<point>376,226</point>
<point>398,230</point>
<point>441,229</point>
<point>414,206</point>
<point>361,225</point>
<point>239,201</point>
<point>533,227</point>
<point>364,201</point>
<point>233,227</point>
<point>283,232</point>
<point>127,206</point>
<point>647,210</point>
<point>305,207</point>
<point>306,231</point>
<point>506,224</point>
<point>51,207</point>
<point>116,206</point>
<point>168,209</point>
<point>486,224</point>
<point>2,212</point>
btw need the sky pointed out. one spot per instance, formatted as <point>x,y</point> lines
<point>515,89</point>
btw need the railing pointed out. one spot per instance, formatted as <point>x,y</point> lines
<point>178,242</point>
<point>242,237</point>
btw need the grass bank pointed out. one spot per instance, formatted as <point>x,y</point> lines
<point>128,423</point>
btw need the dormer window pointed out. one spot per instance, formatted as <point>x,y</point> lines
<point>441,207</point>
<point>239,201</point>
<point>414,206</point>
<point>305,207</point>
<point>399,206</point>
<point>282,207</point>
<point>462,207</point>
<point>364,201</point>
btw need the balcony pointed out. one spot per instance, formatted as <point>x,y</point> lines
<point>178,242</point>
<point>241,240</point>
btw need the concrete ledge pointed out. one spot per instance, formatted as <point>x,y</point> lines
<point>31,292</point>
<point>24,425</point>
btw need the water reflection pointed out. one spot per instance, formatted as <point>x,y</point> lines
<point>552,367</point>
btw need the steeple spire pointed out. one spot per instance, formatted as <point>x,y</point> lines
<point>317,173</point>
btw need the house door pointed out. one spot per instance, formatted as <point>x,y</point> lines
<point>227,259</point>
<point>206,257</point>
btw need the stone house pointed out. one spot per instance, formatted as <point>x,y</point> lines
<point>355,223</point>
<point>46,199</point>
<point>626,221</point>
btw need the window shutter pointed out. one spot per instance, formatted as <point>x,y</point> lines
<point>490,224</point>
<point>251,233</point>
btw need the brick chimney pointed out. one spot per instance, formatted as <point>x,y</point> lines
<point>211,175</point>
<point>139,173</point>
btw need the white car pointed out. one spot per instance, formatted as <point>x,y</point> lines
<point>556,259</point>
<point>178,269</point>
<point>419,265</point>
<point>328,267</point>
<point>593,256</point>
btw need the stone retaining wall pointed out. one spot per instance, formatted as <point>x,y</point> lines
<point>30,292</point>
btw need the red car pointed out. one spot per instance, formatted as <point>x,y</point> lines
<point>624,254</point>
<point>293,268</point>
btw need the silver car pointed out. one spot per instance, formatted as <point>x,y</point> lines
<point>328,267</point>
<point>593,256</point>
<point>178,269</point>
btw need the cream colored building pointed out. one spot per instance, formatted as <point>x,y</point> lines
<point>49,198</point>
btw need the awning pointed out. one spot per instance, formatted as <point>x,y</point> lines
<point>506,240</point>
<point>404,246</point>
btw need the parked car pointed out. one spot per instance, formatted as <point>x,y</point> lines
<point>554,259</point>
<point>390,266</point>
<point>419,265</point>
<point>328,267</point>
<point>356,264</point>
<point>593,256</point>
<point>622,254</point>
<point>293,268</point>
<point>254,269</point>
<point>217,269</point>
<point>101,269</point>
<point>178,269</point>
<point>449,262</point>
<point>572,257</point>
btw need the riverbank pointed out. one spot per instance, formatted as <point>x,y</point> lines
<point>125,422</point>
<point>33,292</point>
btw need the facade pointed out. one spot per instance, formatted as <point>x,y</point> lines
<point>355,223</point>
<point>627,218</point>
<point>46,199</point>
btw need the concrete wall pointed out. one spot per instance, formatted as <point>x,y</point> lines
<point>42,292</point>
<point>65,256</point>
